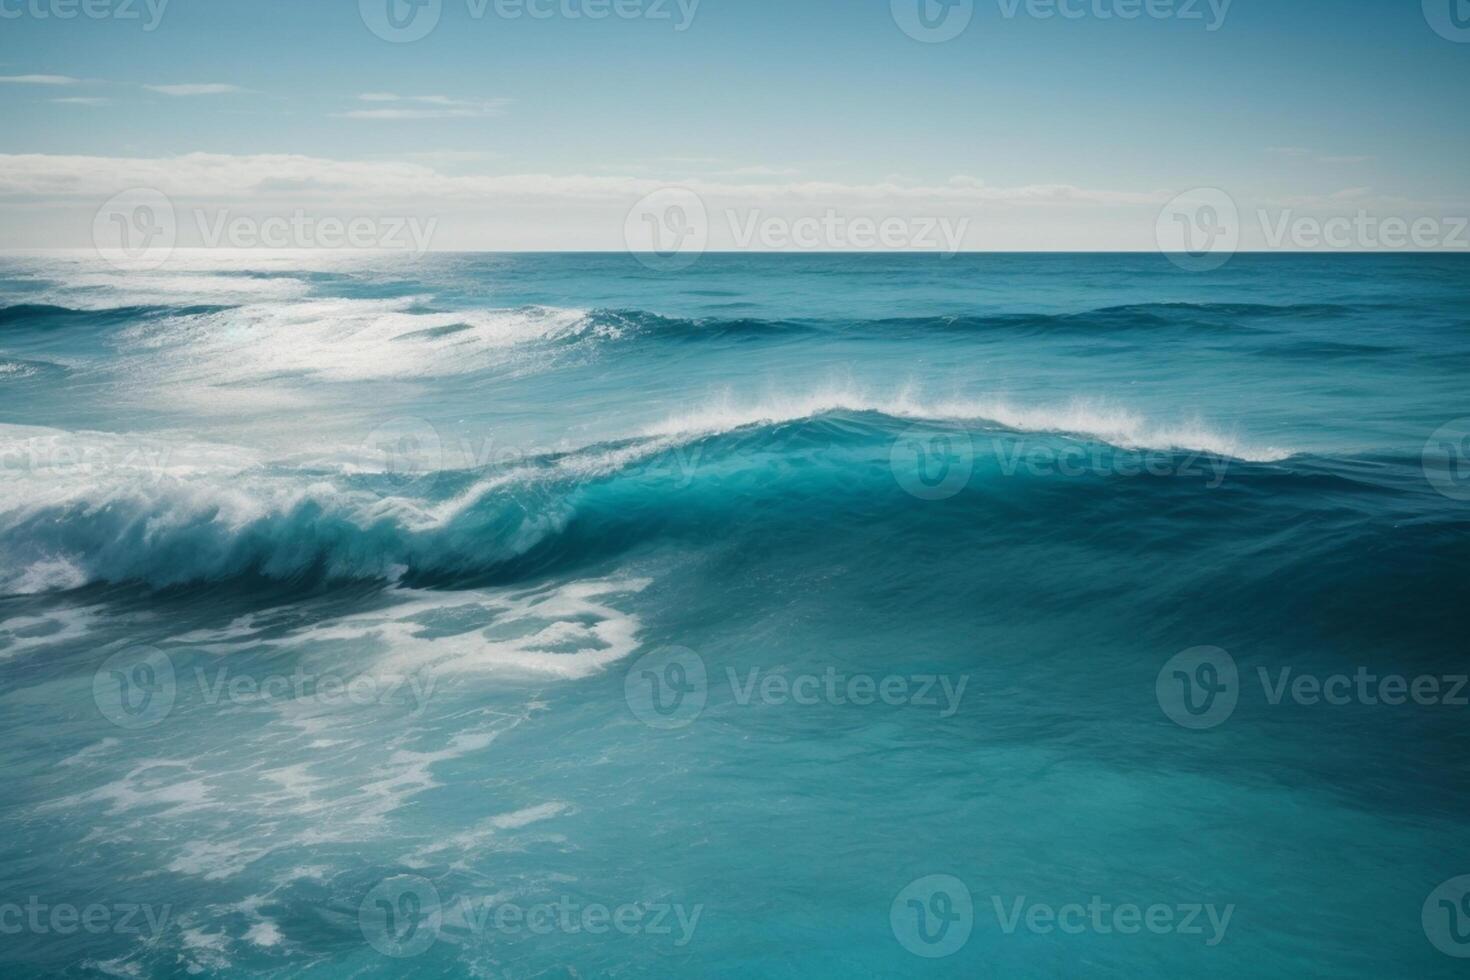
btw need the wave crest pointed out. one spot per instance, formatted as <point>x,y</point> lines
<point>165,513</point>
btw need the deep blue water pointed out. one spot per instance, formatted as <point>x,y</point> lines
<point>549,616</point>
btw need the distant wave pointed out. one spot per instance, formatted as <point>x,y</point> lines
<point>82,283</point>
<point>619,323</point>
<point>40,316</point>
<point>337,339</point>
<point>1223,318</point>
<point>417,318</point>
<point>189,347</point>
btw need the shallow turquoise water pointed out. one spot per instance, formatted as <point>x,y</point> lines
<point>547,616</point>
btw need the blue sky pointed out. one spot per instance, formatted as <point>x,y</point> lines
<point>1286,103</point>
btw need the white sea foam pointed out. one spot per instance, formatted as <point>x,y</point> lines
<point>204,951</point>
<point>567,632</point>
<point>264,933</point>
<point>487,834</point>
<point>337,339</point>
<point>13,370</point>
<point>340,797</point>
<point>81,280</point>
<point>22,633</point>
<point>86,288</point>
<point>1091,419</point>
<point>214,860</point>
<point>168,788</point>
<point>90,752</point>
<point>124,496</point>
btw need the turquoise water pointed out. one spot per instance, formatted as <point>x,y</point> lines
<point>546,615</point>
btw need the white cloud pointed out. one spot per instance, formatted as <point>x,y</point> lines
<point>211,176</point>
<point>39,80</point>
<point>81,100</point>
<point>448,158</point>
<point>1302,153</point>
<point>207,88</point>
<point>425,107</point>
<point>418,113</point>
<point>760,172</point>
<point>51,200</point>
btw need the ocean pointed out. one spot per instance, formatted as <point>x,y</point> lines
<point>552,615</point>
